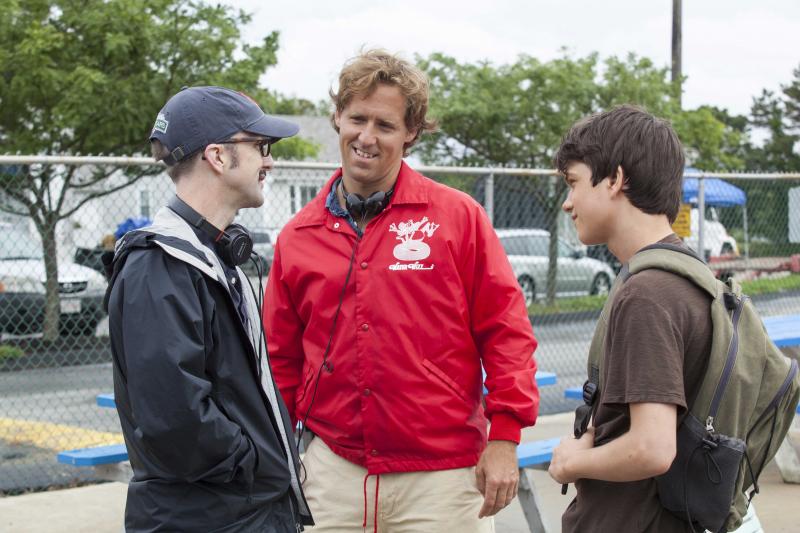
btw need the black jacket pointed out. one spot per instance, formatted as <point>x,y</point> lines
<point>210,444</point>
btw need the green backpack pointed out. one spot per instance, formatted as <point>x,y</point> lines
<point>742,412</point>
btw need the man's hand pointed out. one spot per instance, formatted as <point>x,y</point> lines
<point>562,453</point>
<point>497,476</point>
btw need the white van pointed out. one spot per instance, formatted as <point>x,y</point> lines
<point>716,241</point>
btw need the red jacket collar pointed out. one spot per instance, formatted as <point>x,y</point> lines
<point>411,187</point>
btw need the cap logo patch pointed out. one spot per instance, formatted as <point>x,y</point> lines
<point>161,123</point>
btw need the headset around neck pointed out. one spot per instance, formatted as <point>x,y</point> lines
<point>233,244</point>
<point>360,207</point>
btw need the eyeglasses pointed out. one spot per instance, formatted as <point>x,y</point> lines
<point>264,145</point>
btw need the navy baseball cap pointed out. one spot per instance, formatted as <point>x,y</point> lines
<point>198,116</point>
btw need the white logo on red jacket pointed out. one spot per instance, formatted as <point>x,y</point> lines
<point>412,245</point>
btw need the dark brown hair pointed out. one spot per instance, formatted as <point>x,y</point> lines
<point>159,152</point>
<point>646,147</point>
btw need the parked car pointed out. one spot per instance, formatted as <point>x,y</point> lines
<point>602,253</point>
<point>578,275</point>
<point>22,289</point>
<point>263,245</point>
<point>91,258</point>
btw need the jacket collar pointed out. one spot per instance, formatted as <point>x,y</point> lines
<point>411,187</point>
<point>176,238</point>
<point>182,243</point>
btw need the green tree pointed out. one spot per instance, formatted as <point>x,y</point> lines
<point>88,77</point>
<point>516,114</point>
<point>777,116</point>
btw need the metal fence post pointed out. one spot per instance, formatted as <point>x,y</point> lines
<point>746,236</point>
<point>490,197</point>
<point>701,213</point>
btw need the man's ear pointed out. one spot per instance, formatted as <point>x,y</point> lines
<point>337,117</point>
<point>214,157</point>
<point>616,182</point>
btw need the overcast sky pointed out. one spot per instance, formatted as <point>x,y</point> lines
<point>732,49</point>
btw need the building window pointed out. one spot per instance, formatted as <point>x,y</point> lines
<point>144,203</point>
<point>300,195</point>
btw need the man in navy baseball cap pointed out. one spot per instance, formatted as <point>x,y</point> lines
<point>209,438</point>
<point>198,116</point>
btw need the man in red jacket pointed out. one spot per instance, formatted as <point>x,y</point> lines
<point>387,293</point>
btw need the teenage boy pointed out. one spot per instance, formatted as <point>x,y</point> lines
<point>624,171</point>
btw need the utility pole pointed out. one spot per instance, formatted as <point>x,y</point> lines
<point>676,47</point>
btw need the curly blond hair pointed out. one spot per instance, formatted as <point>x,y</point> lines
<point>361,76</point>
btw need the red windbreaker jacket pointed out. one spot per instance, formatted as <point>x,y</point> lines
<point>430,297</point>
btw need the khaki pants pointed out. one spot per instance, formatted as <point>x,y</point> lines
<point>412,502</point>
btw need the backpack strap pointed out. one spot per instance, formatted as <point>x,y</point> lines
<point>592,386</point>
<point>694,269</point>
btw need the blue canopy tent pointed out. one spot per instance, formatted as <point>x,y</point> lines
<point>716,192</point>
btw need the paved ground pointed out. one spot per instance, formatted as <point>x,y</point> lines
<point>99,508</point>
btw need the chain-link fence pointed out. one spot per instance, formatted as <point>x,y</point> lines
<point>59,215</point>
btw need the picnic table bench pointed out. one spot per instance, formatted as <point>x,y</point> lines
<point>109,462</point>
<point>784,330</point>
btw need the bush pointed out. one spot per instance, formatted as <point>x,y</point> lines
<point>568,305</point>
<point>770,249</point>
<point>8,352</point>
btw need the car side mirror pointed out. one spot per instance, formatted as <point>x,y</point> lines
<point>578,254</point>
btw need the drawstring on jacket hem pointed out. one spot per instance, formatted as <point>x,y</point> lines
<point>375,511</point>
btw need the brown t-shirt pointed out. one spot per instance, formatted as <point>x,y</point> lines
<point>656,351</point>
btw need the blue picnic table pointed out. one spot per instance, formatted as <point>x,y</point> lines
<point>573,393</point>
<point>784,330</point>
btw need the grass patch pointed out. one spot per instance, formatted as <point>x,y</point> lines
<point>8,352</point>
<point>568,305</point>
<point>595,303</point>
<point>771,285</point>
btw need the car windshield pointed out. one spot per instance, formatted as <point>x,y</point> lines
<point>525,244</point>
<point>260,237</point>
<point>19,245</point>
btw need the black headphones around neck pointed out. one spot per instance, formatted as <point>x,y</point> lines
<point>360,207</point>
<point>233,244</point>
